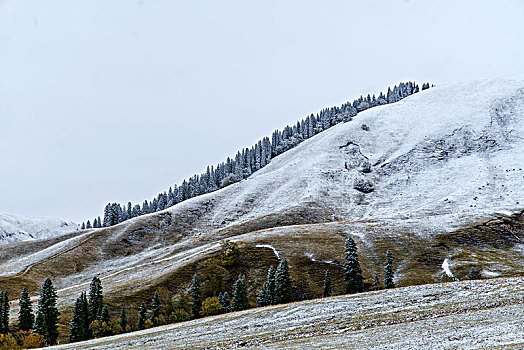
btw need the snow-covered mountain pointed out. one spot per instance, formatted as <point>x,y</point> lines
<point>16,228</point>
<point>424,178</point>
<point>437,160</point>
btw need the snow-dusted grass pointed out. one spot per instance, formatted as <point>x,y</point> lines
<point>458,315</point>
<point>270,247</point>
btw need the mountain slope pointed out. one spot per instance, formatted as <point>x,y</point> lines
<point>463,315</point>
<point>446,168</point>
<point>16,228</point>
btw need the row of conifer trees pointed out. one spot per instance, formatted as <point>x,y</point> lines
<point>250,160</point>
<point>91,317</point>
<point>33,330</point>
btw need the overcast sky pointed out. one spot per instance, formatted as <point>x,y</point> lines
<point>117,100</point>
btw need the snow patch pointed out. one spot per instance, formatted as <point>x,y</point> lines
<point>311,257</point>
<point>270,247</point>
<point>445,267</point>
<point>488,273</point>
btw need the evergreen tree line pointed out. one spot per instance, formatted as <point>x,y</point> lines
<point>276,290</point>
<point>277,287</point>
<point>249,160</point>
<point>91,318</point>
<point>33,331</point>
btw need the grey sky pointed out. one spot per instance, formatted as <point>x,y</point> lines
<point>117,100</point>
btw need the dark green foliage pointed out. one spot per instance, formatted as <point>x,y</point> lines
<point>26,318</point>
<point>388,279</point>
<point>474,273</point>
<point>376,283</point>
<point>267,293</point>
<point>2,330</point>
<point>195,290</point>
<point>326,291</point>
<point>85,315</point>
<point>263,297</point>
<point>270,279</point>
<point>39,326</point>
<point>104,314</point>
<point>352,271</point>
<point>77,332</point>
<point>283,292</point>
<point>47,316</point>
<point>225,301</point>
<point>142,316</point>
<point>4,312</point>
<point>155,310</point>
<point>240,298</point>
<point>122,320</point>
<point>95,299</point>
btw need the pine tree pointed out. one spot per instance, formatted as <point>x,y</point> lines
<point>83,226</point>
<point>196,296</point>
<point>376,283</point>
<point>95,299</point>
<point>77,332</point>
<point>240,295</point>
<point>270,279</point>
<point>225,302</point>
<point>39,326</point>
<point>388,279</point>
<point>155,310</point>
<point>104,315</point>
<point>474,273</point>
<point>85,316</point>
<point>4,312</point>
<point>263,297</point>
<point>108,215</point>
<point>26,318</point>
<point>122,321</point>
<point>88,225</point>
<point>2,330</point>
<point>283,292</point>
<point>47,316</point>
<point>352,271</point>
<point>326,291</point>
<point>142,316</point>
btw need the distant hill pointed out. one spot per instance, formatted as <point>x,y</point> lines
<point>17,228</point>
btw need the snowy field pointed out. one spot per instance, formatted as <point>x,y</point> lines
<point>459,315</point>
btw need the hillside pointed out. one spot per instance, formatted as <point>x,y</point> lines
<point>460,315</point>
<point>16,228</point>
<point>446,169</point>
